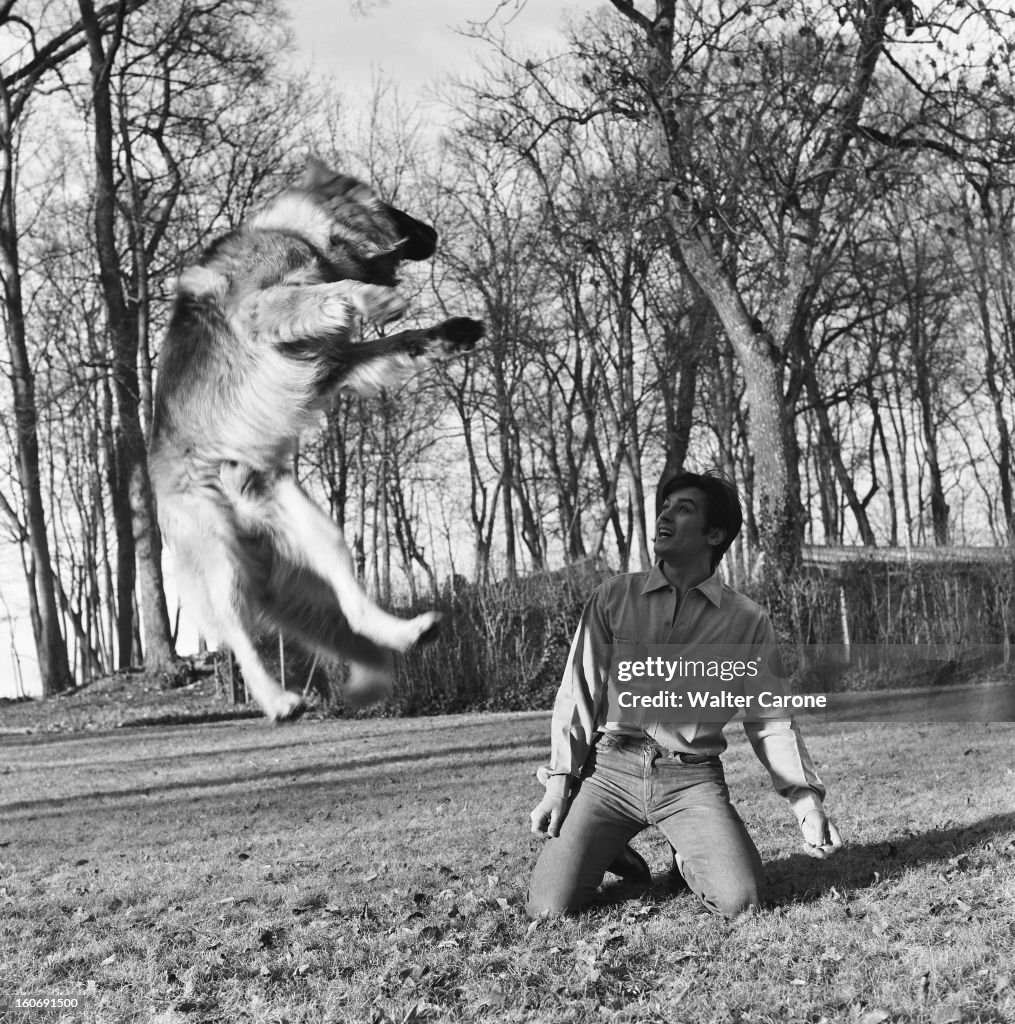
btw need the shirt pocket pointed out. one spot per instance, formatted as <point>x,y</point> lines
<point>626,677</point>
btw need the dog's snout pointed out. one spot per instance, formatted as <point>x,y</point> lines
<point>419,240</point>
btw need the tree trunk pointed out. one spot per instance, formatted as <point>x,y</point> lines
<point>779,515</point>
<point>505,423</point>
<point>771,419</point>
<point>878,429</point>
<point>830,444</point>
<point>780,524</point>
<point>994,378</point>
<point>678,401</point>
<point>140,548</point>
<point>924,388</point>
<point>54,667</point>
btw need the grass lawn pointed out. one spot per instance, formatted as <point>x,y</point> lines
<point>375,871</point>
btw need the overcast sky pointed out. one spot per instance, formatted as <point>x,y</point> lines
<point>414,42</point>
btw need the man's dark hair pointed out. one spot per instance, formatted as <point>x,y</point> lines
<point>722,504</point>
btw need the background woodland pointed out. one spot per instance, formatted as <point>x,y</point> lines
<point>772,238</point>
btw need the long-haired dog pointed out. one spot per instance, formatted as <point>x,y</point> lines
<point>261,338</point>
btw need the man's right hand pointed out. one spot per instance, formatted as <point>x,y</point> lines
<point>548,814</point>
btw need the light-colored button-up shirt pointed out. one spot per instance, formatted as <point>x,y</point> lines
<point>641,609</point>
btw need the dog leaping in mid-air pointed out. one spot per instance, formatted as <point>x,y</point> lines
<point>261,339</point>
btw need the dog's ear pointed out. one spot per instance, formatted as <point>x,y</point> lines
<point>420,239</point>
<point>316,173</point>
<point>319,177</point>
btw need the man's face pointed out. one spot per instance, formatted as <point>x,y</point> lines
<point>682,538</point>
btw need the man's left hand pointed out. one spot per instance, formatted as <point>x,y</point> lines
<point>821,837</point>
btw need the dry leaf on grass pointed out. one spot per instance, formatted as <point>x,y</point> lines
<point>491,995</point>
<point>875,1016</point>
<point>170,1017</point>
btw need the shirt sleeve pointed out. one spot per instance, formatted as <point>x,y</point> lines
<point>778,744</point>
<point>578,707</point>
<point>780,748</point>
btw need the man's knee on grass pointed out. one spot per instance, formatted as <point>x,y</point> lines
<point>553,893</point>
<point>540,907</point>
<point>734,901</point>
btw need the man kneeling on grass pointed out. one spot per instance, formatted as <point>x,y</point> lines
<point>660,662</point>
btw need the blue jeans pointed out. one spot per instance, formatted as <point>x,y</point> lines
<point>627,785</point>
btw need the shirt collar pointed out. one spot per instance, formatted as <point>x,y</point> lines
<point>711,587</point>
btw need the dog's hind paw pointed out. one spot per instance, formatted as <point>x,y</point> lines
<point>429,625</point>
<point>286,708</point>
<point>370,683</point>
<point>410,633</point>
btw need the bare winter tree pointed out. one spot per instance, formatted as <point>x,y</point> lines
<point>493,256</point>
<point>139,553</point>
<point>187,126</point>
<point>47,40</point>
<point>145,78</point>
<point>802,81</point>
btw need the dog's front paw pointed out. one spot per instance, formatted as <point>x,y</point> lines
<point>460,333</point>
<point>376,303</point>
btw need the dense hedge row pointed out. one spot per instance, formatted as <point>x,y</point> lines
<point>503,645</point>
<point>877,624</point>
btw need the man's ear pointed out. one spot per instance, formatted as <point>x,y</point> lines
<point>715,536</point>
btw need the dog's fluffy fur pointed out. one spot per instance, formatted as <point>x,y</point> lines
<point>260,339</point>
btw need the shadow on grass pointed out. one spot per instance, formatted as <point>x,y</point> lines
<point>799,878</point>
<point>198,718</point>
<point>521,750</point>
<point>304,732</point>
<point>802,879</point>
